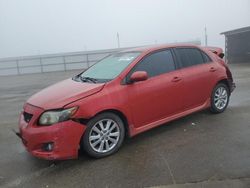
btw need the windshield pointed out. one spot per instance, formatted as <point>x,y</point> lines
<point>109,67</point>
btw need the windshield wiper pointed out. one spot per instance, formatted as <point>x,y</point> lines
<point>86,79</point>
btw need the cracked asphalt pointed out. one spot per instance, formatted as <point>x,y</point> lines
<point>199,150</point>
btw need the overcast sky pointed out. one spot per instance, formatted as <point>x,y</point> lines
<point>32,27</point>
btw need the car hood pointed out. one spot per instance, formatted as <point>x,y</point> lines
<point>63,93</point>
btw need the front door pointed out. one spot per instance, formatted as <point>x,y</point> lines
<point>161,94</point>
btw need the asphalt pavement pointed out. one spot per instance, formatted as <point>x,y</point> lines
<point>199,150</point>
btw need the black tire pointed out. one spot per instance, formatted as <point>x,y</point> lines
<point>88,145</point>
<point>214,107</point>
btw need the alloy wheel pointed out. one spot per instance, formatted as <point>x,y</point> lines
<point>220,98</point>
<point>104,135</point>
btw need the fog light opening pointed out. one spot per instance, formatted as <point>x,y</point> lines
<point>48,146</point>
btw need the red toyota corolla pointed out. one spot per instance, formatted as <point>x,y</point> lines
<point>123,94</point>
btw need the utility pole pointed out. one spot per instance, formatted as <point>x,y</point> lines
<point>205,36</point>
<point>118,40</point>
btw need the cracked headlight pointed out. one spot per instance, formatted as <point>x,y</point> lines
<point>52,117</point>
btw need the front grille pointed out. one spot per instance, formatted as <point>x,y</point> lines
<point>27,117</point>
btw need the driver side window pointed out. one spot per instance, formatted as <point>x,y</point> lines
<point>156,64</point>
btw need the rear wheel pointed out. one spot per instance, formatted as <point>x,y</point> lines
<point>219,98</point>
<point>104,135</point>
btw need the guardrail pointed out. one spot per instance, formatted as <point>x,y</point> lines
<point>52,62</point>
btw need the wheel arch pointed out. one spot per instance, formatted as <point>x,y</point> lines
<point>121,115</point>
<point>213,108</point>
<point>114,111</point>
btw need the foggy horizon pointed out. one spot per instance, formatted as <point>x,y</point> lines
<point>44,27</point>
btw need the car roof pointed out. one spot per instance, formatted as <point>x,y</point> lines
<point>159,47</point>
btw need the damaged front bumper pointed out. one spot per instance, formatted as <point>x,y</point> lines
<point>56,142</point>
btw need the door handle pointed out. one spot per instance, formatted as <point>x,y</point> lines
<point>212,69</point>
<point>176,79</point>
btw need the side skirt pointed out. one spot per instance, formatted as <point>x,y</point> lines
<point>135,131</point>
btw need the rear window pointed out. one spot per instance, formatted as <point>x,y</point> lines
<point>189,56</point>
<point>206,58</point>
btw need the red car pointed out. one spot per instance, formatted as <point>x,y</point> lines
<point>123,94</point>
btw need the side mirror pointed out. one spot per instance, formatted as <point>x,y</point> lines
<point>138,76</point>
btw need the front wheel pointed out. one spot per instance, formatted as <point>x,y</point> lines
<point>104,135</point>
<point>219,98</point>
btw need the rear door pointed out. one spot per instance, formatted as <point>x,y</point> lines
<point>197,71</point>
<point>161,94</point>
